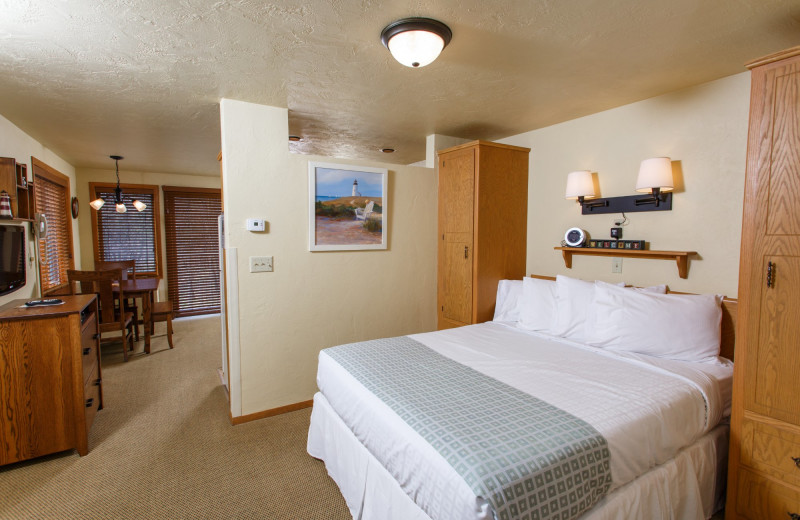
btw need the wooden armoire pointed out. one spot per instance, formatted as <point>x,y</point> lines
<point>764,461</point>
<point>483,215</point>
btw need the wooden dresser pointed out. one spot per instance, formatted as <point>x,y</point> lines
<point>50,383</point>
<point>764,462</point>
<point>483,227</point>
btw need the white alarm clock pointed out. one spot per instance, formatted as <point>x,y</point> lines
<point>575,237</point>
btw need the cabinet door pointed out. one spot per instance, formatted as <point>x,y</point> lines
<point>773,365</point>
<point>456,207</point>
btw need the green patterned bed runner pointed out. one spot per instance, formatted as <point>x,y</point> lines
<point>529,459</point>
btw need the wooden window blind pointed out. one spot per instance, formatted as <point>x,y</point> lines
<point>52,199</point>
<point>133,235</point>
<point>190,218</point>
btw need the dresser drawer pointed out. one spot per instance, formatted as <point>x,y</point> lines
<point>89,345</point>
<point>91,398</point>
<point>760,498</point>
<point>772,450</point>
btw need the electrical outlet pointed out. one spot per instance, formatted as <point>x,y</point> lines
<point>260,264</point>
<point>616,265</point>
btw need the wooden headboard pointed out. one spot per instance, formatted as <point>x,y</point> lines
<point>729,312</point>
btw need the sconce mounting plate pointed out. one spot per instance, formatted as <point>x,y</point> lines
<point>627,204</point>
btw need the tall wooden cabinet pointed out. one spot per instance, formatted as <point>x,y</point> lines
<point>483,215</point>
<point>764,462</point>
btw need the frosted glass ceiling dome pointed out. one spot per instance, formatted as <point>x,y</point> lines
<point>416,42</point>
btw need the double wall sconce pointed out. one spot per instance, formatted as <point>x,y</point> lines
<point>655,178</point>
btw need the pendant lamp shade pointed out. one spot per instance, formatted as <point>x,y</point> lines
<point>416,42</point>
<point>119,204</point>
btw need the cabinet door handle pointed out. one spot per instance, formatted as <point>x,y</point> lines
<point>86,351</point>
<point>770,274</point>
<point>89,402</point>
<point>466,251</point>
<point>96,336</point>
<point>794,516</point>
<point>796,461</point>
<point>97,382</point>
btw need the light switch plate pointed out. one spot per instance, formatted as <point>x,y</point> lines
<point>616,265</point>
<point>260,264</point>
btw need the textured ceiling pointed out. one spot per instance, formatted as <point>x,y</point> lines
<point>143,78</point>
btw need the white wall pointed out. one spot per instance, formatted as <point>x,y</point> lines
<point>313,300</point>
<point>704,128</point>
<point>87,175</point>
<point>19,145</point>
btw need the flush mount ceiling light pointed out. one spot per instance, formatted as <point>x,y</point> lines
<point>387,150</point>
<point>295,138</point>
<point>416,42</point>
<point>120,206</point>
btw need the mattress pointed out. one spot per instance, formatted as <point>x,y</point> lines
<point>646,408</point>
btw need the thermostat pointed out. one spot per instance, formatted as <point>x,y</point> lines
<point>255,224</point>
<point>575,237</point>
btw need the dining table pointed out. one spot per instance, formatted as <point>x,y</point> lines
<point>144,289</point>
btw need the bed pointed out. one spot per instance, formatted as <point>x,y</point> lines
<point>439,425</point>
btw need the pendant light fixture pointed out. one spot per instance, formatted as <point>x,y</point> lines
<point>416,42</point>
<point>120,205</point>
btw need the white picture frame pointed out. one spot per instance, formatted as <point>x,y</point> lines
<point>347,207</point>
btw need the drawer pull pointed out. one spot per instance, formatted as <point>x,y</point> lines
<point>89,402</point>
<point>97,382</point>
<point>86,350</point>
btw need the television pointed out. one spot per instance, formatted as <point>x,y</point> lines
<point>12,258</point>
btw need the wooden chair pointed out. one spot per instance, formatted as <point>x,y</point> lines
<point>128,268</point>
<point>363,214</point>
<point>162,311</point>
<point>101,283</point>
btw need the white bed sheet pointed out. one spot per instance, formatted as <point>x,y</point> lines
<point>646,408</point>
<point>689,486</point>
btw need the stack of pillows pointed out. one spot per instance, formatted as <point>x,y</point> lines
<point>646,320</point>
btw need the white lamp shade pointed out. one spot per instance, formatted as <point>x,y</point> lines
<point>139,205</point>
<point>655,173</point>
<point>97,204</point>
<point>121,208</point>
<point>580,184</point>
<point>415,48</point>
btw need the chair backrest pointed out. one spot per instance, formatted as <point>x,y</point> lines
<point>102,284</point>
<point>128,267</point>
<point>369,207</point>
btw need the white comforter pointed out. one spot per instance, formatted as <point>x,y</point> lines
<point>647,409</point>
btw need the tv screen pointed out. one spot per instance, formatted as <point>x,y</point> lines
<point>12,258</point>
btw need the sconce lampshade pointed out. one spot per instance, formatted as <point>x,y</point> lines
<point>580,184</point>
<point>655,173</point>
<point>416,42</point>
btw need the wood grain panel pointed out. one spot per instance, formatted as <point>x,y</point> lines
<point>774,390</point>
<point>456,189</point>
<point>35,420</point>
<point>501,224</point>
<point>784,182</point>
<point>760,498</point>
<point>456,299</point>
<point>771,448</point>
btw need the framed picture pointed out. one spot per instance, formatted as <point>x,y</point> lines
<point>346,207</point>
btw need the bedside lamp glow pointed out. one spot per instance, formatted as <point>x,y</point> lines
<point>580,186</point>
<point>655,176</point>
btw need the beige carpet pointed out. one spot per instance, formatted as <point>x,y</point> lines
<point>163,448</point>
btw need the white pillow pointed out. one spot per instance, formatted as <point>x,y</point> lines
<point>506,306</point>
<point>573,307</point>
<point>674,326</point>
<point>538,304</point>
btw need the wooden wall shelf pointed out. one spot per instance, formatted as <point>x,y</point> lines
<point>680,257</point>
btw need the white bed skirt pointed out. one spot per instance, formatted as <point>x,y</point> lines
<point>689,486</point>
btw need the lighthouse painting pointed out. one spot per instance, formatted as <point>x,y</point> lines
<point>347,207</point>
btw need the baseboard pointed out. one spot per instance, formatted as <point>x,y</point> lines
<point>271,412</point>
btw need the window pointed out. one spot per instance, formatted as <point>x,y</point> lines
<point>190,217</point>
<point>52,197</point>
<point>134,235</point>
